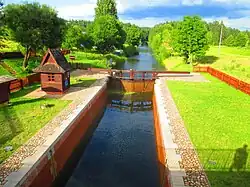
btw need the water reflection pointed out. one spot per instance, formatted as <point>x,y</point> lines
<point>122,151</point>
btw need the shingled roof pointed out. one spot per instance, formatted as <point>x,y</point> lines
<point>6,78</point>
<point>61,65</point>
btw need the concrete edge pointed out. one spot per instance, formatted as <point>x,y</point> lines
<point>173,170</point>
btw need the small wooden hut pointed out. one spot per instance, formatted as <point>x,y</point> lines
<point>5,88</point>
<point>55,72</point>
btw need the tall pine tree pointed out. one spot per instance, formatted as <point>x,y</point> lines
<point>106,7</point>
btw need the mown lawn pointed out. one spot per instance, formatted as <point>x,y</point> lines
<point>24,117</point>
<point>231,60</point>
<point>217,119</point>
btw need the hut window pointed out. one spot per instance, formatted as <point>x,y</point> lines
<point>51,77</point>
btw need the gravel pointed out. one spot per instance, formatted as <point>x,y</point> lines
<point>195,175</point>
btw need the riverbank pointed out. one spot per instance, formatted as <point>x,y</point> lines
<point>231,60</point>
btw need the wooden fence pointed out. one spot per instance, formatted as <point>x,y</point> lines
<point>22,82</point>
<point>236,83</point>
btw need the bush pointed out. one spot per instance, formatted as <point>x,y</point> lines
<point>115,58</point>
<point>130,50</point>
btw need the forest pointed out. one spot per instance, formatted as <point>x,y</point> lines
<point>105,35</point>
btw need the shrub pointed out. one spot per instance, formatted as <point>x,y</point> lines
<point>130,50</point>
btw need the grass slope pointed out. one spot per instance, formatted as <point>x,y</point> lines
<point>234,61</point>
<point>217,119</point>
<point>16,65</point>
<point>24,118</point>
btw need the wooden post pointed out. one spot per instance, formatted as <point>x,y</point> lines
<point>131,74</point>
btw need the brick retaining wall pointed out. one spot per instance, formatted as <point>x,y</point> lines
<point>232,81</point>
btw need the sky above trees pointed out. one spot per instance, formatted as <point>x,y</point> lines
<point>234,13</point>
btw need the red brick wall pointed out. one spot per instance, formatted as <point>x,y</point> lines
<point>161,158</point>
<point>236,83</point>
<point>42,175</point>
<point>22,82</point>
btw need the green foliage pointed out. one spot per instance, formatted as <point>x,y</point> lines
<point>133,34</point>
<point>107,33</point>
<point>34,26</point>
<point>16,65</point>
<point>130,50</point>
<point>144,35</point>
<point>160,41</point>
<point>76,38</point>
<point>106,7</point>
<point>215,116</point>
<point>241,40</point>
<point>191,41</point>
<point>230,41</point>
<point>115,58</point>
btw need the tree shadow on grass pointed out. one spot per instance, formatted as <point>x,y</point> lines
<point>225,167</point>
<point>24,91</point>
<point>208,60</point>
<point>12,126</point>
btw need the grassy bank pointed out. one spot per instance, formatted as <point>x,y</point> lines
<point>17,66</point>
<point>94,60</point>
<point>217,119</point>
<point>24,118</point>
<point>234,61</point>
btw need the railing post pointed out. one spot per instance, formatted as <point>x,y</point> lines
<point>131,74</point>
<point>143,75</point>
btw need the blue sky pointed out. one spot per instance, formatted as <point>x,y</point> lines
<point>234,13</point>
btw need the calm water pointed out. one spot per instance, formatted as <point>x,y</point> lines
<point>144,61</point>
<point>122,151</point>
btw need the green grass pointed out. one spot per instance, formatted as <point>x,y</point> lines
<point>24,117</point>
<point>232,60</point>
<point>16,65</point>
<point>3,71</point>
<point>94,60</point>
<point>81,81</point>
<point>217,119</point>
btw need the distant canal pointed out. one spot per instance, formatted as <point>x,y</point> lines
<point>122,151</point>
<point>144,61</point>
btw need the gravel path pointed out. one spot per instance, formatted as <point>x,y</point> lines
<point>195,175</point>
<point>14,162</point>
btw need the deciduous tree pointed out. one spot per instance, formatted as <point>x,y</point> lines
<point>35,26</point>
<point>191,41</point>
<point>107,33</point>
<point>106,7</point>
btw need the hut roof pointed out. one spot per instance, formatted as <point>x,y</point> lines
<point>6,78</point>
<point>61,64</point>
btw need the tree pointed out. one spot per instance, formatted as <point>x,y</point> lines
<point>241,40</point>
<point>191,41</point>
<point>106,7</point>
<point>107,33</point>
<point>133,34</point>
<point>75,37</point>
<point>145,34</point>
<point>230,41</point>
<point>35,26</point>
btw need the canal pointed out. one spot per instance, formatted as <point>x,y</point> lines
<point>143,61</point>
<point>122,150</point>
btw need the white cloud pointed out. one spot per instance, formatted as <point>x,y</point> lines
<point>239,23</point>
<point>86,9</point>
